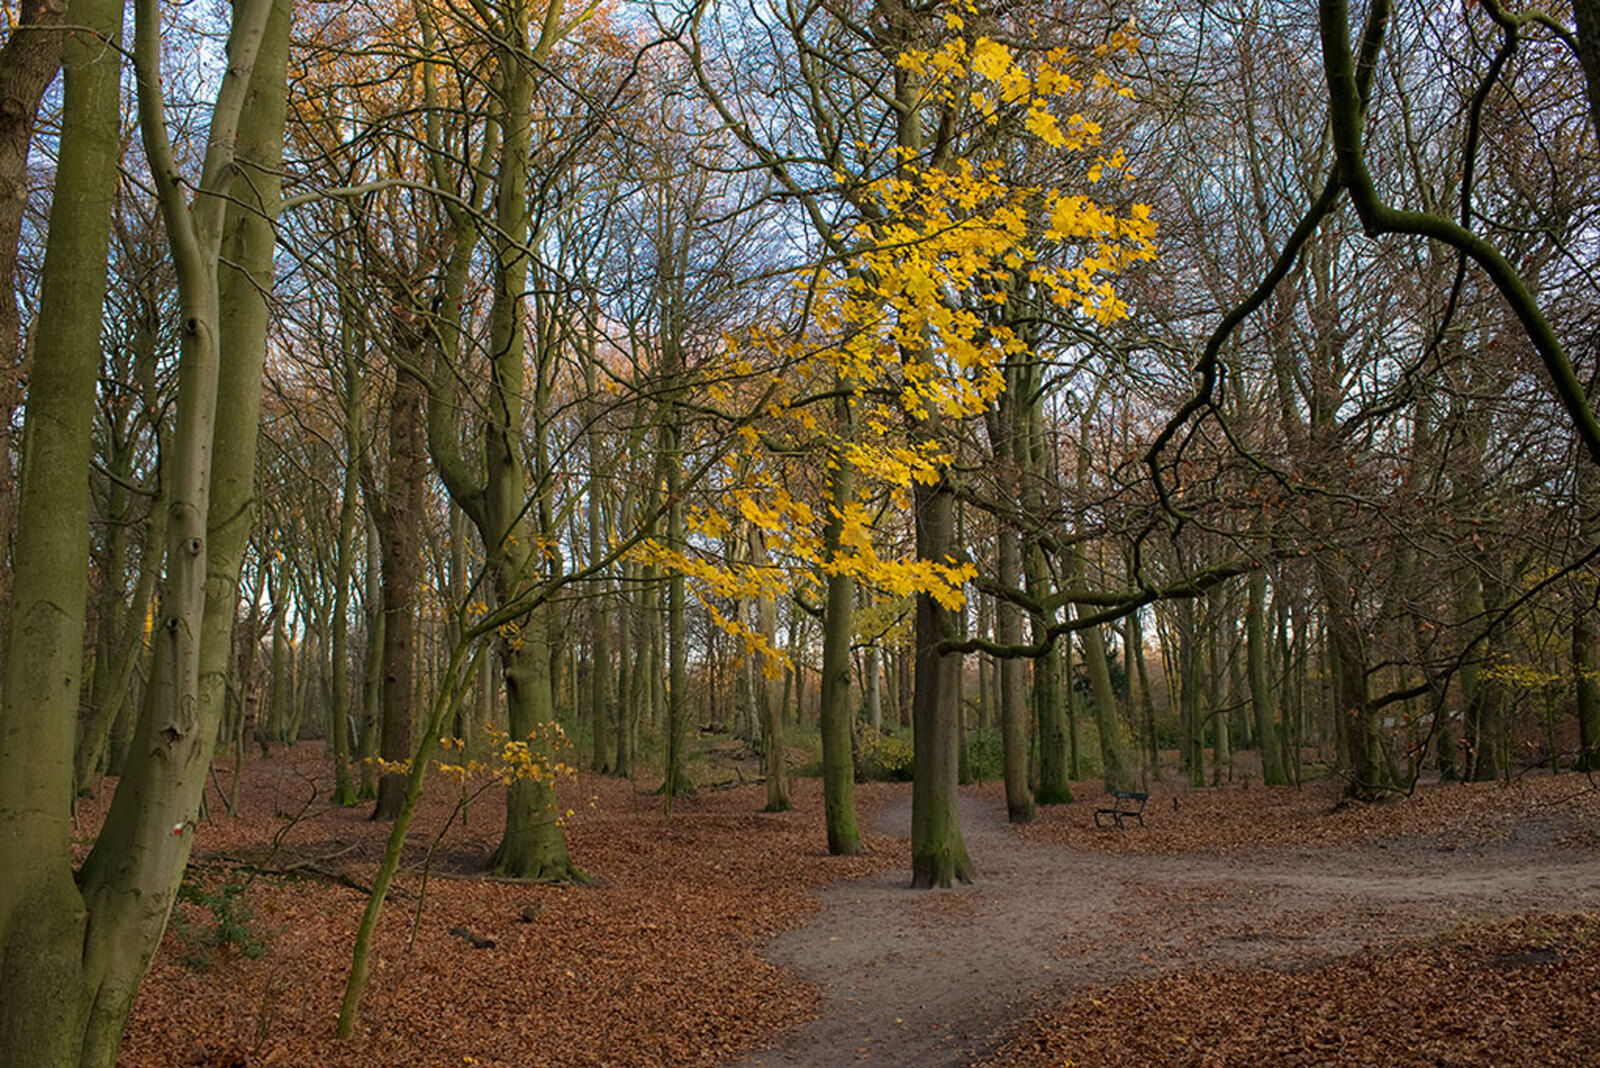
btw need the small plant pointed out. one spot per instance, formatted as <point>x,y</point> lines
<point>883,757</point>
<point>232,927</point>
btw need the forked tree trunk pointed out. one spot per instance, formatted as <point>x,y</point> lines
<point>68,982</point>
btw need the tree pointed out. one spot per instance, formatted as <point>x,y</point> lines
<point>75,948</point>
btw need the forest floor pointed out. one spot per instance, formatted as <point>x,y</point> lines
<point>1242,925</point>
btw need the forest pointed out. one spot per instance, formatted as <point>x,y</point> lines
<point>498,492</point>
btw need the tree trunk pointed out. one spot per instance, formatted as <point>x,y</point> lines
<point>938,852</point>
<point>769,707</point>
<point>838,630</point>
<point>86,949</point>
<point>400,520</point>
<point>371,668</point>
<point>533,845</point>
<point>47,991</point>
<point>344,789</point>
<point>1013,700</point>
<point>1261,699</point>
<point>1586,680</point>
<point>1367,768</point>
<point>28,64</point>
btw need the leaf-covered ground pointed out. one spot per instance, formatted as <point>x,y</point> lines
<point>1249,817</point>
<point>656,963</point>
<point>1523,991</point>
<point>1241,926</point>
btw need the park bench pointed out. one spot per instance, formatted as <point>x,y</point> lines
<point>1124,803</point>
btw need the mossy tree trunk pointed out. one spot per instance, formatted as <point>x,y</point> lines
<point>47,991</point>
<point>835,713</point>
<point>29,62</point>
<point>72,952</point>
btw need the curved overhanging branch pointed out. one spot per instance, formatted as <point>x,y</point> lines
<point>1346,114</point>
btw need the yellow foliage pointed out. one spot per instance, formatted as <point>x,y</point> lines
<point>911,326</point>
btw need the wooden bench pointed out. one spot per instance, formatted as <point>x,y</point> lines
<point>1124,803</point>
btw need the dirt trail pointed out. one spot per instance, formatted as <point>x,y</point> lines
<point>938,978</point>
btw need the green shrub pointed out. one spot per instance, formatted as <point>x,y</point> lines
<point>882,757</point>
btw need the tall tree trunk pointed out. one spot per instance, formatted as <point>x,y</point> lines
<point>1113,746</point>
<point>938,851</point>
<point>1013,699</point>
<point>371,668</point>
<point>1586,680</point>
<point>344,788</point>
<point>873,670</point>
<point>1367,768</point>
<point>601,713</point>
<point>769,706</point>
<point>28,64</point>
<point>89,946</point>
<point>400,526</point>
<point>46,996</point>
<point>1268,741</point>
<point>838,630</point>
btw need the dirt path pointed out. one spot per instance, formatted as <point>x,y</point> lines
<point>937,978</point>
